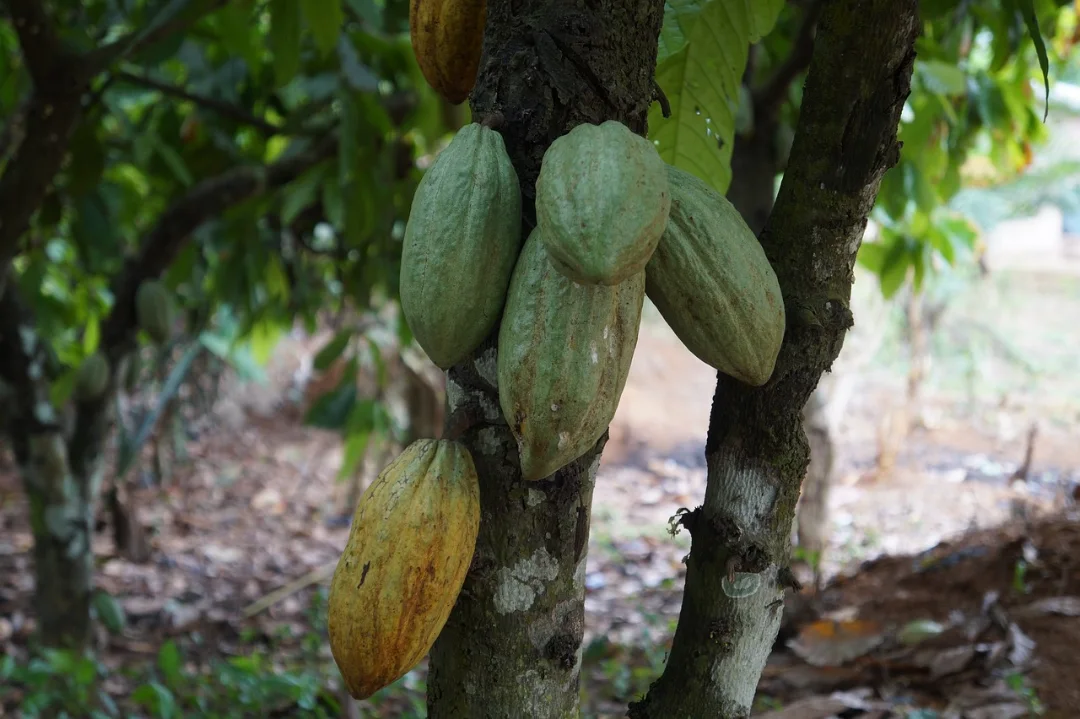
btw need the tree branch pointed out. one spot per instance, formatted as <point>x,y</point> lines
<point>756,450</point>
<point>770,97</point>
<point>224,109</point>
<point>164,241</point>
<point>40,45</point>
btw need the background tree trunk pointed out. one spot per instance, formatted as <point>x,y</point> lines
<point>756,450</point>
<point>512,646</point>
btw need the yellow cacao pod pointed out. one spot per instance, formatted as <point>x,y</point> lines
<point>409,548</point>
<point>564,355</point>
<point>713,284</point>
<point>447,36</point>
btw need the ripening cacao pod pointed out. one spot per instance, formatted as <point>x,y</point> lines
<point>713,284</point>
<point>461,241</point>
<point>447,36</point>
<point>409,548</point>
<point>602,202</point>
<point>154,310</point>
<point>92,379</point>
<point>564,355</point>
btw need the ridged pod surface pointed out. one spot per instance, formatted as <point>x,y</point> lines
<point>713,284</point>
<point>447,37</point>
<point>564,355</point>
<point>602,202</point>
<point>410,545</point>
<point>461,242</point>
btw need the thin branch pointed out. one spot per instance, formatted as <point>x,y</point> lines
<point>54,110</point>
<point>770,97</point>
<point>224,109</point>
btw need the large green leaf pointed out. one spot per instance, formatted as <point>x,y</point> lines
<point>324,19</point>
<point>285,25</point>
<point>703,49</point>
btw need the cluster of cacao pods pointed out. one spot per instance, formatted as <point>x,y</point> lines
<point>614,224</point>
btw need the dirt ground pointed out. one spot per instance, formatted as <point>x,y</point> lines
<point>242,539</point>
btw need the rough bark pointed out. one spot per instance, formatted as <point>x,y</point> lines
<point>512,646</point>
<point>756,450</point>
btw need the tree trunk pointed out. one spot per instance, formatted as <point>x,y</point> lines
<point>512,646</point>
<point>756,450</point>
<point>62,514</point>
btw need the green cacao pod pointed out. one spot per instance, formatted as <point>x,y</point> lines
<point>564,355</point>
<point>461,241</point>
<point>92,379</point>
<point>410,545</point>
<point>154,310</point>
<point>602,202</point>
<point>713,284</point>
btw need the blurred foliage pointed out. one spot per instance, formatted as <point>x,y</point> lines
<point>246,84</point>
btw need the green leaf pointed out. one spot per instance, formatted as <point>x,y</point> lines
<point>109,611</point>
<point>872,256</point>
<point>234,22</point>
<point>157,699</point>
<point>356,444</point>
<point>285,22</point>
<point>324,18</point>
<point>93,232</point>
<point>332,350</point>
<point>703,50</point>
<point>894,269</point>
<point>1027,8</point>
<point>170,663</point>
<point>332,410</point>
<point>941,77</point>
<point>356,73</point>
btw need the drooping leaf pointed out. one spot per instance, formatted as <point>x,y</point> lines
<point>703,49</point>
<point>285,35</point>
<point>324,19</point>
<point>1027,7</point>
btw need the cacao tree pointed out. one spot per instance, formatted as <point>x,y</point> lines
<point>545,70</point>
<point>253,162</point>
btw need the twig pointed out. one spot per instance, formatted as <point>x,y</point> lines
<point>315,576</point>
<point>659,96</point>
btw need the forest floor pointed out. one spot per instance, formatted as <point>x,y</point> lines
<point>242,542</point>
